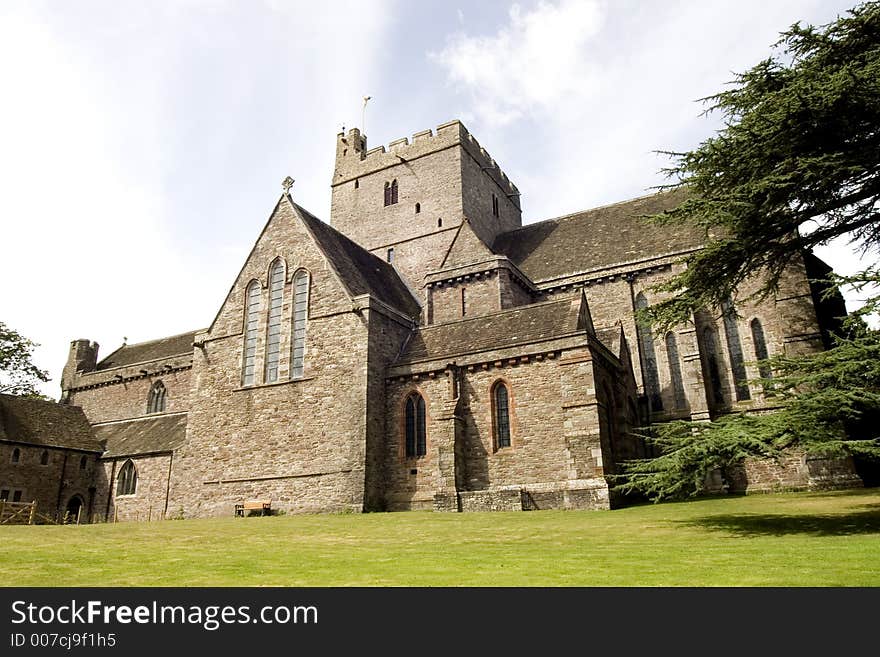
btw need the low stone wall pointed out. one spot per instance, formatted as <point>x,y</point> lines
<point>795,472</point>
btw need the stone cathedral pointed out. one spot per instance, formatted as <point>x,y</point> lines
<point>425,350</point>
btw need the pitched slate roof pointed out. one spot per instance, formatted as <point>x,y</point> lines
<point>522,325</point>
<point>129,354</point>
<point>45,423</point>
<point>361,271</point>
<point>597,238</point>
<point>146,435</point>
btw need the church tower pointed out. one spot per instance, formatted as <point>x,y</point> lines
<point>405,202</point>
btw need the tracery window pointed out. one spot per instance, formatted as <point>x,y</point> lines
<point>126,482</point>
<point>300,318</point>
<point>156,398</point>
<point>252,322</point>
<point>273,325</point>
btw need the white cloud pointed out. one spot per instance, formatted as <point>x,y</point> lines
<point>138,142</point>
<point>533,63</point>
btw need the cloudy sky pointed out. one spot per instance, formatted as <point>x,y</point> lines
<point>143,144</point>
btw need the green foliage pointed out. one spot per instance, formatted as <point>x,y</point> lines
<point>796,164</point>
<point>18,374</point>
<point>829,405</point>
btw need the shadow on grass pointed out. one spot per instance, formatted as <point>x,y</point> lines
<point>862,522</point>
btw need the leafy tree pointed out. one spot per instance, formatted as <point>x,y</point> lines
<point>18,374</point>
<point>796,165</point>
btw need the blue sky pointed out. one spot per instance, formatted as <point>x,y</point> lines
<point>143,144</point>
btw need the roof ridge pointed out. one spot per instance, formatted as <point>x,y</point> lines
<point>167,337</point>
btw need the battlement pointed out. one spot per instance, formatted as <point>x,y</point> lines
<point>353,160</point>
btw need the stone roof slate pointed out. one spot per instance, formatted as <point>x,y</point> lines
<point>129,354</point>
<point>361,271</point>
<point>46,424</point>
<point>521,325</point>
<point>597,238</point>
<point>145,435</point>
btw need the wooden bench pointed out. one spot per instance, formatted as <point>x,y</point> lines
<point>244,508</point>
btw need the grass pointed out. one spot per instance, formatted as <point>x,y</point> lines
<point>793,539</point>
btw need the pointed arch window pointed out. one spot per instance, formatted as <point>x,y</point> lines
<point>252,322</point>
<point>416,442</point>
<point>734,348</point>
<point>16,455</point>
<point>156,398</point>
<point>126,482</point>
<point>273,325</point>
<point>300,318</point>
<point>675,371</point>
<point>761,353</point>
<point>709,349</point>
<point>391,192</point>
<point>650,375</point>
<point>501,404</point>
<point>44,458</point>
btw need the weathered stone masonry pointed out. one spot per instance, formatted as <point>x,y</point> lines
<point>428,288</point>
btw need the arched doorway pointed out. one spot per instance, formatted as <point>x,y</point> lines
<point>74,508</point>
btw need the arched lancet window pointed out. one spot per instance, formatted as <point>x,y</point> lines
<point>416,443</point>
<point>252,321</point>
<point>156,399</point>
<point>650,374</point>
<point>83,462</point>
<point>44,458</point>
<point>675,371</point>
<point>126,482</point>
<point>16,455</point>
<point>709,353</point>
<point>761,353</point>
<point>391,192</point>
<point>273,325</point>
<point>300,318</point>
<point>501,407</point>
<point>734,348</point>
<point>418,208</point>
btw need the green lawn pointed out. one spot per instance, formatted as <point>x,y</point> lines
<point>794,539</point>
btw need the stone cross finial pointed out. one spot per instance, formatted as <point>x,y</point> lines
<point>286,184</point>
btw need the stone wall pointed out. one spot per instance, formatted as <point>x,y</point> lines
<point>559,450</point>
<point>387,334</point>
<point>299,442</point>
<point>150,499</point>
<point>103,398</point>
<point>448,174</point>
<point>67,473</point>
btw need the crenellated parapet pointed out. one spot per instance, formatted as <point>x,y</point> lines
<point>354,160</point>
